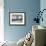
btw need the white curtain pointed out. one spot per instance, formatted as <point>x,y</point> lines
<point>1,20</point>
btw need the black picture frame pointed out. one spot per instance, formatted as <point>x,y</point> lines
<point>17,21</point>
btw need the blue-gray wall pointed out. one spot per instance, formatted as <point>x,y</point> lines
<point>43,6</point>
<point>14,33</point>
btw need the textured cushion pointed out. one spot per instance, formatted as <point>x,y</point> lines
<point>20,42</point>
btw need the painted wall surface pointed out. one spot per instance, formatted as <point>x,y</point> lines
<point>43,6</point>
<point>14,33</point>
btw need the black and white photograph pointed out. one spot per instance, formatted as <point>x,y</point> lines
<point>17,18</point>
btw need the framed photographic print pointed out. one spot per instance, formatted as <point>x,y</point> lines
<point>17,18</point>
